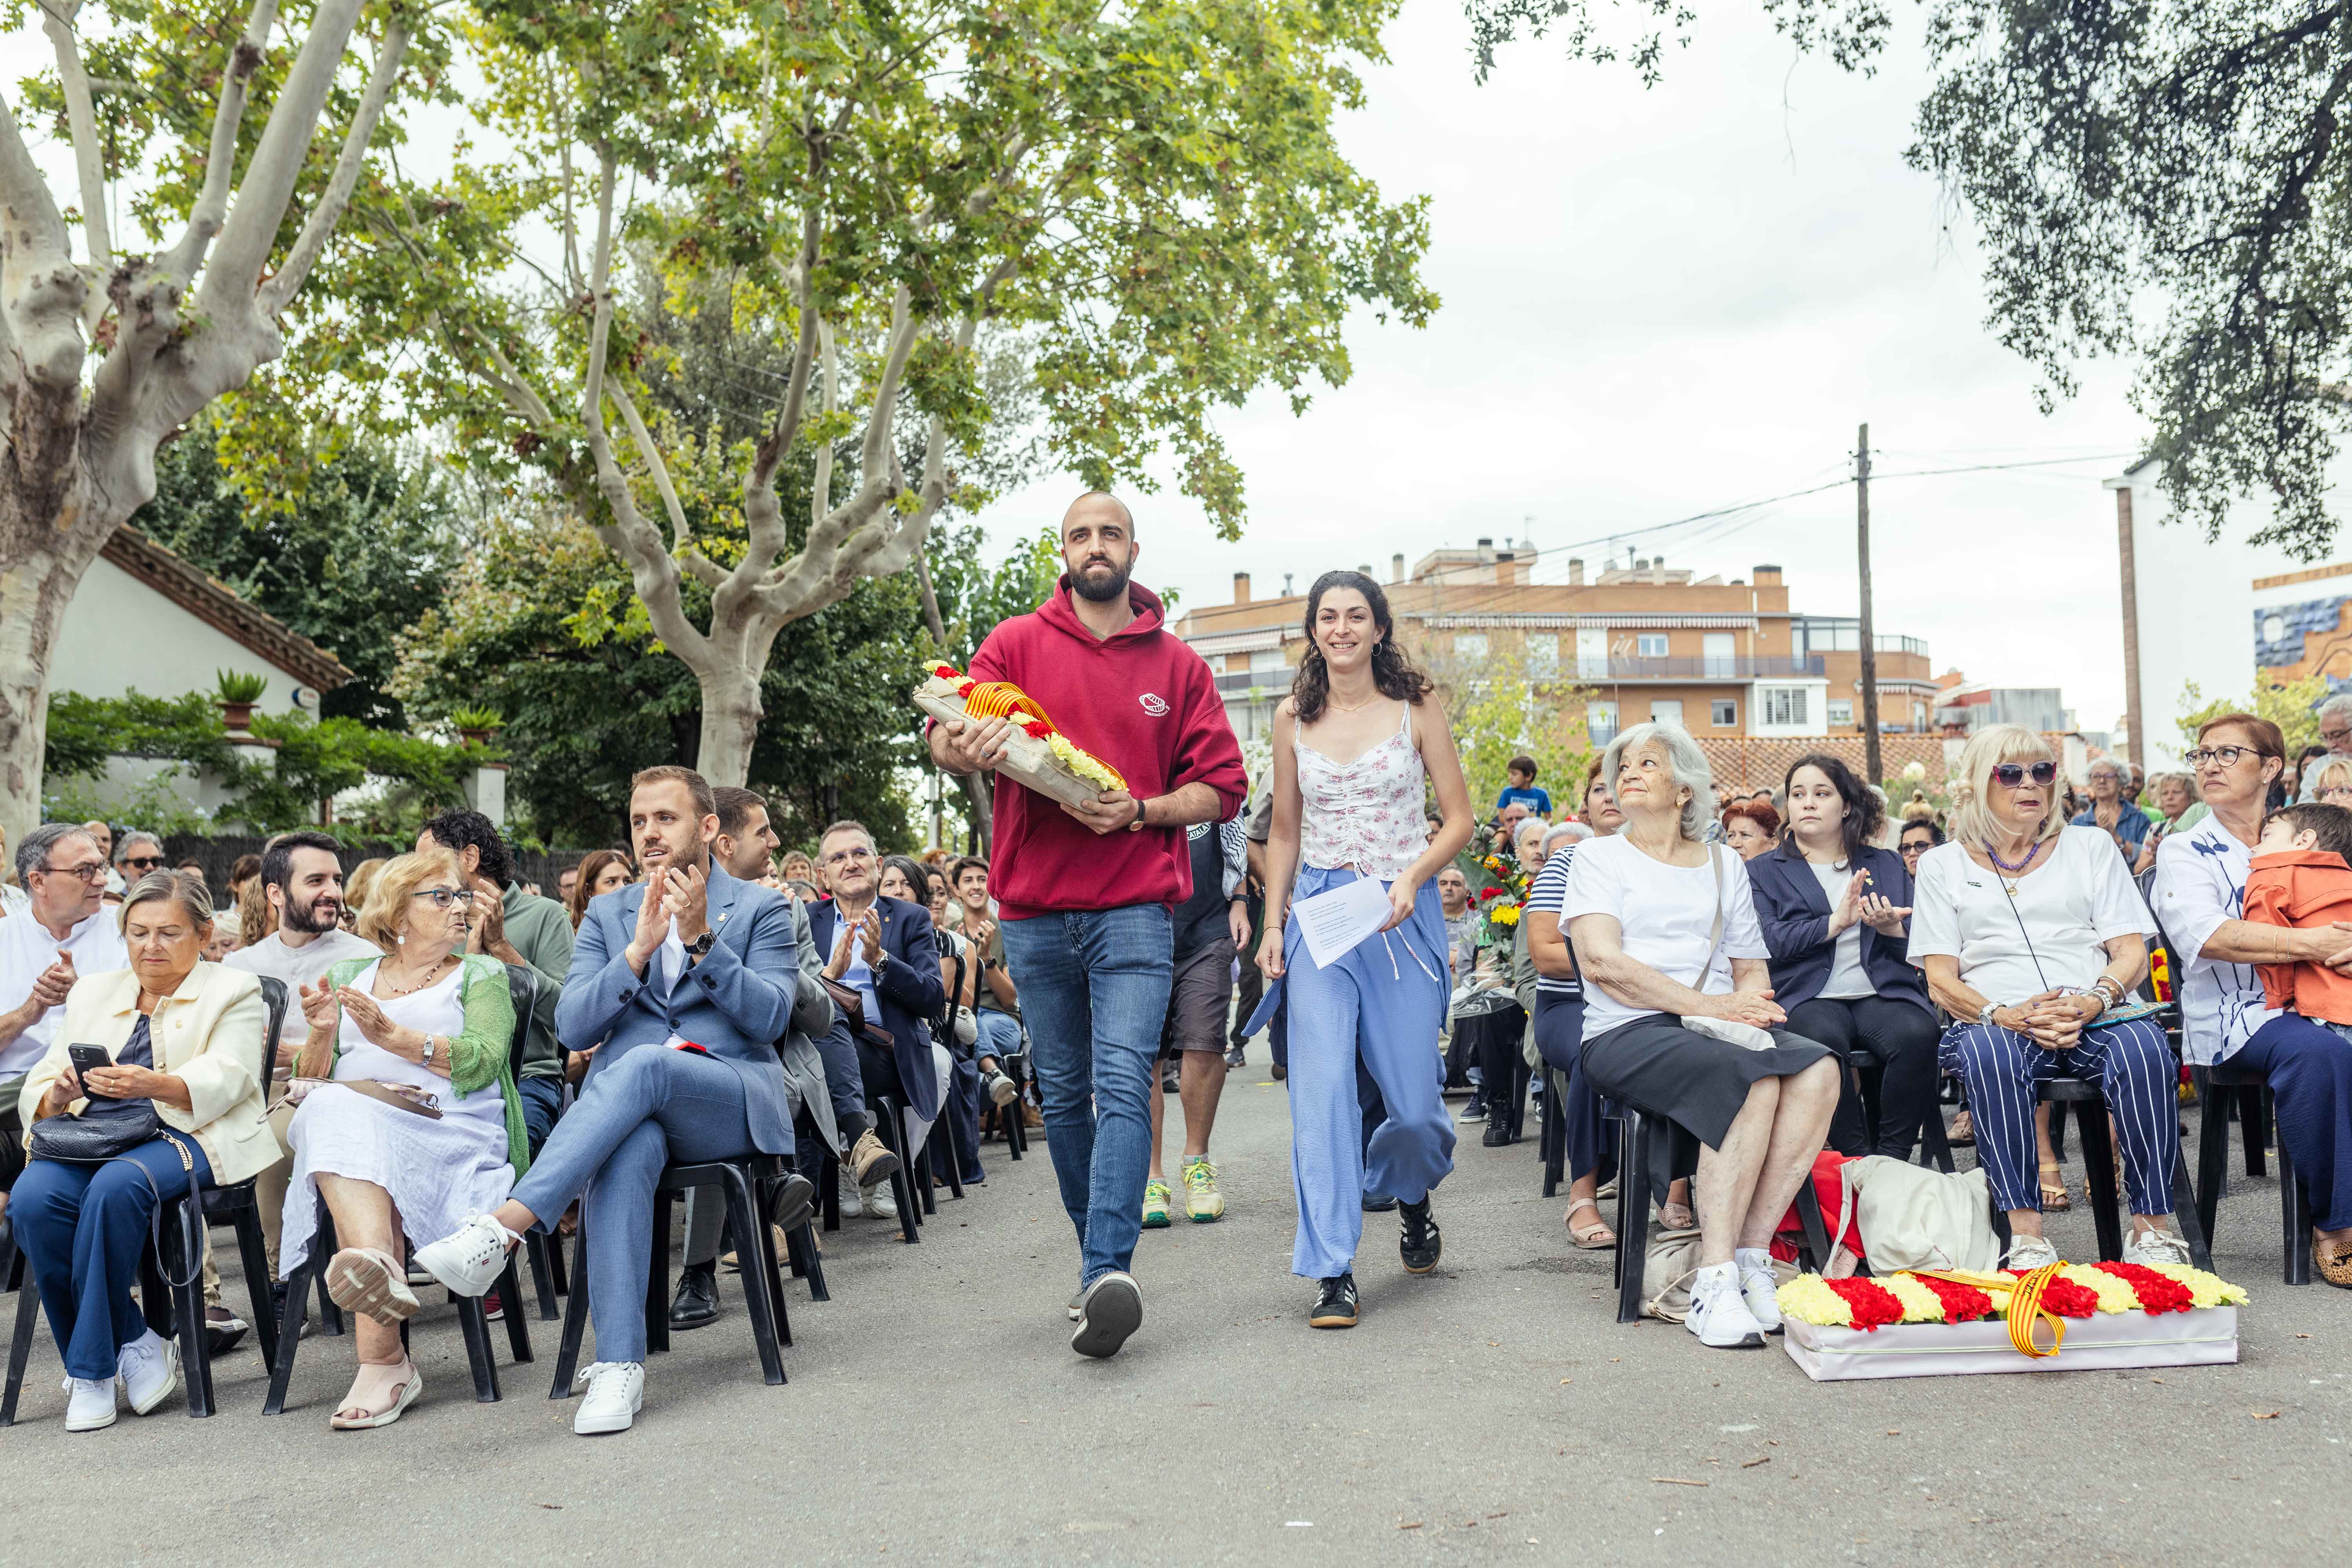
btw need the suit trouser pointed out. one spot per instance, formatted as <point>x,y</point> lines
<point>2135,1072</point>
<point>83,1228</point>
<point>650,1107</point>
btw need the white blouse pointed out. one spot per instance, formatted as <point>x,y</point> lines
<point>1667,915</point>
<point>2051,935</point>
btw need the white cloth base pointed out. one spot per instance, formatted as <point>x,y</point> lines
<point>2203,1336</point>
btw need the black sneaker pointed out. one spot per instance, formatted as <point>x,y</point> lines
<point>1335,1304</point>
<point>1476,1110</point>
<point>1170,1082</point>
<point>1236,1058</point>
<point>1110,1310</point>
<point>1421,1246</point>
<point>1378,1202</point>
<point>1498,1134</point>
<point>696,1305</point>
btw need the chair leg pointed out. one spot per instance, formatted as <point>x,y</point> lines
<point>748,1231</point>
<point>575,1320</point>
<point>944,1152</point>
<point>775,1275</point>
<point>806,1263</point>
<point>2098,1157</point>
<point>20,1348</point>
<point>893,1130</point>
<point>1553,1133</point>
<point>924,1174</point>
<point>2213,1149</point>
<point>657,1280</point>
<point>1936,1141</point>
<point>188,1300</point>
<point>2058,1130</point>
<point>511,1296</point>
<point>154,1302</point>
<point>555,1266</point>
<point>290,1331</point>
<point>2186,1216</point>
<point>2294,1214</point>
<point>543,1275</point>
<point>1817,1228</point>
<point>1632,1213</point>
<point>254,1253</point>
<point>475,1327</point>
<point>2252,1109</point>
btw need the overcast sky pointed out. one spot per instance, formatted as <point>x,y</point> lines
<point>1658,303</point>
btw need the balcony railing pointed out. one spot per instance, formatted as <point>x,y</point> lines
<point>1727,667</point>
<point>1243,680</point>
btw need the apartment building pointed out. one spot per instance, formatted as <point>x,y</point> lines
<point>1636,640</point>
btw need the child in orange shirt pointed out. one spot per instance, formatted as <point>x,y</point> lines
<point>2301,877</point>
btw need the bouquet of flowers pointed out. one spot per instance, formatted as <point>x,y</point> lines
<point>1039,754</point>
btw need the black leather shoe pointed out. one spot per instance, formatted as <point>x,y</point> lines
<point>1421,1246</point>
<point>1335,1304</point>
<point>794,1202</point>
<point>696,1305</point>
<point>1378,1202</point>
<point>1497,1135</point>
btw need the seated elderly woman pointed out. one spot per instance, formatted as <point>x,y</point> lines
<point>1750,827</point>
<point>1679,1021</point>
<point>409,1119</point>
<point>181,1099</point>
<point>2030,931</point>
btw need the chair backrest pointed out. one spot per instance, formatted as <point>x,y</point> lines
<point>275,999</point>
<point>522,989</point>
<point>943,1026</point>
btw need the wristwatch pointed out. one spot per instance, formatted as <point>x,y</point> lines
<point>1985,1017</point>
<point>702,943</point>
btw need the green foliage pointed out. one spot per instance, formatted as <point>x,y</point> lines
<point>1503,713</point>
<point>361,552</point>
<point>2291,707</point>
<point>85,731</point>
<point>476,718</point>
<point>238,686</point>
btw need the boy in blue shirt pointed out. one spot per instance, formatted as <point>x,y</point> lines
<point>1522,788</point>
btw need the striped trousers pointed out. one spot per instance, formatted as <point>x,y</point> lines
<point>2134,1069</point>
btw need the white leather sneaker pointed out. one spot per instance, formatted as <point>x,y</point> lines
<point>878,1200</point>
<point>1759,1288</point>
<point>1002,1091</point>
<point>1719,1312</point>
<point>470,1258</point>
<point>2028,1253</point>
<point>90,1405</point>
<point>2148,1247</point>
<point>616,1391</point>
<point>149,1367</point>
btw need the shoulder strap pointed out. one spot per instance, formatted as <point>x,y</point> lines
<point>1715,935</point>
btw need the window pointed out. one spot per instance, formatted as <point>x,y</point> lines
<point>1543,656</point>
<point>1841,710</point>
<point>1650,645</point>
<point>1469,645</point>
<point>1716,650</point>
<point>1592,653</point>
<point>1724,713</point>
<point>1601,722</point>
<point>1268,661</point>
<point>1782,704</point>
<point>1666,710</point>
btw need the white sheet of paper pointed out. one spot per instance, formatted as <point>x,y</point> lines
<point>1335,922</point>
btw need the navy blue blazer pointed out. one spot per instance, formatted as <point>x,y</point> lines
<point>736,1001</point>
<point>907,985</point>
<point>1795,915</point>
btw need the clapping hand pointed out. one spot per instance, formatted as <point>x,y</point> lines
<point>653,927</point>
<point>374,1026</point>
<point>1849,912</point>
<point>685,899</point>
<point>1883,916</point>
<point>55,981</point>
<point>319,1008</point>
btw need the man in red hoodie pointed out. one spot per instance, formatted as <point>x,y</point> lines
<point>1085,891</point>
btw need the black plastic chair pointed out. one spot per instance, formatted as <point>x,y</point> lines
<point>178,1309</point>
<point>2099,1161</point>
<point>473,1317</point>
<point>2216,1089</point>
<point>763,1292</point>
<point>1637,1131</point>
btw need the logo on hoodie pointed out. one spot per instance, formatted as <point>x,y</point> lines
<point>1154,704</point>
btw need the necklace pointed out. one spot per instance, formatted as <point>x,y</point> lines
<point>2014,871</point>
<point>438,965</point>
<point>1350,708</point>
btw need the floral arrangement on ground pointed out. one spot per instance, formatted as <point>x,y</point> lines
<point>2072,1291</point>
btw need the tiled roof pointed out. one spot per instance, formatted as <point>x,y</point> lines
<point>216,604</point>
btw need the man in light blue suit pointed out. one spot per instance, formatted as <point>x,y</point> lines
<point>679,986</point>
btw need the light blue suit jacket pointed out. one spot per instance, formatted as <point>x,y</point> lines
<point>736,1001</point>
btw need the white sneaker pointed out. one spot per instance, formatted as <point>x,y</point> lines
<point>1002,1091</point>
<point>852,1206</point>
<point>616,1391</point>
<point>2027,1253</point>
<point>2149,1247</point>
<point>1719,1312</point>
<point>91,1404</point>
<point>1759,1288</point>
<point>470,1258</point>
<point>878,1201</point>
<point>149,1368</point>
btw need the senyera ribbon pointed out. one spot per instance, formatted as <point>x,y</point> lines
<point>2025,1306</point>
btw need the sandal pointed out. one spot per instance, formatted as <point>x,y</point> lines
<point>2334,1261</point>
<point>1964,1131</point>
<point>1594,1238</point>
<point>363,1279</point>
<point>379,1395</point>
<point>2053,1194</point>
<point>1676,1217</point>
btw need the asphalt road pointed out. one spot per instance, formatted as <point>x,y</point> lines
<point>1493,1411</point>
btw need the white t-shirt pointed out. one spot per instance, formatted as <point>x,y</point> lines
<point>2200,883</point>
<point>1847,976</point>
<point>1667,915</point>
<point>298,966</point>
<point>27,949</point>
<point>2051,937</point>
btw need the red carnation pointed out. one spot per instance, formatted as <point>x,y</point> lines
<point>1961,1303</point>
<point>2069,1299</point>
<point>963,688</point>
<point>1872,1304</point>
<point>2157,1292</point>
<point>947,672</point>
<point>1035,729</point>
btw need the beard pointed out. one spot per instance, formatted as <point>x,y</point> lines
<point>1103,583</point>
<point>308,920</point>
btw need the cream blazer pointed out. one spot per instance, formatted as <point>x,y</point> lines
<point>208,1034</point>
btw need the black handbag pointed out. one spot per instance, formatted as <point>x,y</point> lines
<point>78,1141</point>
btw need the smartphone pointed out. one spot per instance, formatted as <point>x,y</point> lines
<point>86,1058</point>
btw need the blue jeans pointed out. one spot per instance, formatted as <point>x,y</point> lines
<point>999,1035</point>
<point>542,1103</point>
<point>651,1107</point>
<point>83,1228</point>
<point>1094,991</point>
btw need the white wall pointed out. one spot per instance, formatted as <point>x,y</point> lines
<point>119,634</point>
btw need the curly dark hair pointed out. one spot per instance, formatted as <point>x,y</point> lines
<point>1392,672</point>
<point>1864,813</point>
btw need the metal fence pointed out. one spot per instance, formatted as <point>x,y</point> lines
<point>217,856</point>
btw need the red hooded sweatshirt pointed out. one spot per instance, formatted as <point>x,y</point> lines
<point>1143,702</point>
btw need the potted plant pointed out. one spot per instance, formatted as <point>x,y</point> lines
<point>235,693</point>
<point>476,725</point>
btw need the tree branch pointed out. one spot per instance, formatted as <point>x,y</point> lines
<point>89,162</point>
<point>681,532</point>
<point>281,287</point>
<point>821,490</point>
<point>204,219</point>
<point>41,291</point>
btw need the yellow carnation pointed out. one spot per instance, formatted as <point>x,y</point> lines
<point>2114,1295</point>
<point>1507,915</point>
<point>2205,1289</point>
<point>1920,1305</point>
<point>1087,766</point>
<point>1809,1299</point>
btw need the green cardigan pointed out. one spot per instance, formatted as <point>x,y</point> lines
<point>478,1054</point>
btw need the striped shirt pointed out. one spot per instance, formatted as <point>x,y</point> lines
<point>1550,895</point>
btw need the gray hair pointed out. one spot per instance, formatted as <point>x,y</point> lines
<point>1521,832</point>
<point>2109,763</point>
<point>1564,833</point>
<point>2340,705</point>
<point>135,836</point>
<point>33,854</point>
<point>195,900</point>
<point>1683,759</point>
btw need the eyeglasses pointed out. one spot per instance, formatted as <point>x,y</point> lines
<point>89,871</point>
<point>2334,792</point>
<point>2009,775</point>
<point>2227,756</point>
<point>842,856</point>
<point>443,896</point>
<point>142,862</point>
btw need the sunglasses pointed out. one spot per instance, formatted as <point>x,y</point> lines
<point>142,862</point>
<point>2009,775</point>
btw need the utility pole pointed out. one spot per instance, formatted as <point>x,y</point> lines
<point>2139,753</point>
<point>1873,772</point>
